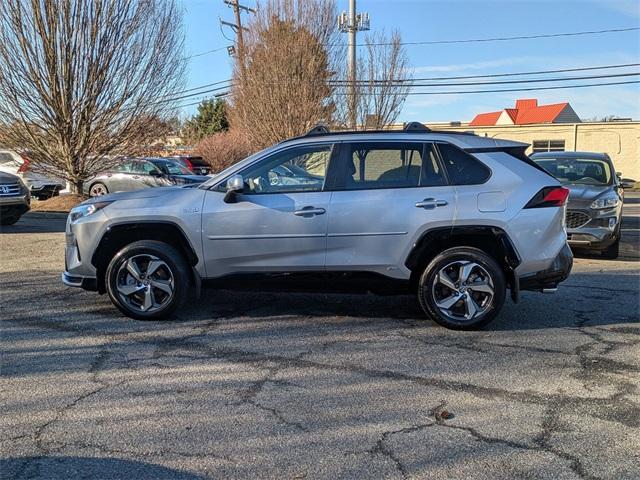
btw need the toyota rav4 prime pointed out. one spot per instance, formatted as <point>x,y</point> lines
<point>456,218</point>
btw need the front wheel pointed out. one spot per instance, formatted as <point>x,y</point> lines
<point>462,288</point>
<point>147,280</point>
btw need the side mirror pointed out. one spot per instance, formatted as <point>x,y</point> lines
<point>155,173</point>
<point>235,185</point>
<point>627,183</point>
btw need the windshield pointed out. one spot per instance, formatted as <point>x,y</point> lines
<point>584,171</point>
<point>171,168</point>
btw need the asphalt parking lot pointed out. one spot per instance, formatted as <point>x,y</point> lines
<point>264,385</point>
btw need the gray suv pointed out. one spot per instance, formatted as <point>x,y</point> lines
<point>455,218</point>
<point>594,210</point>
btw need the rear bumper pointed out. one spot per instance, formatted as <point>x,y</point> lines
<point>549,279</point>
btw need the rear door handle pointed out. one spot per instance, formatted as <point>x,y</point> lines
<point>309,212</point>
<point>431,203</point>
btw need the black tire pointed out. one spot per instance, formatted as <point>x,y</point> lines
<point>486,269</point>
<point>98,185</point>
<point>612,251</point>
<point>175,264</point>
<point>9,219</point>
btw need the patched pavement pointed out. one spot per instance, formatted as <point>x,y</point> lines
<point>274,385</point>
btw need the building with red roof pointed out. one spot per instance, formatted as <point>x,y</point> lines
<point>527,112</point>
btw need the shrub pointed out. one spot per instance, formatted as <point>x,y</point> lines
<point>223,149</point>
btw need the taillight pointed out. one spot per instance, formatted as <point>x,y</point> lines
<point>549,197</point>
<point>25,164</point>
<point>188,164</point>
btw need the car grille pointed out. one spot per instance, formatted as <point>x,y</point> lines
<point>9,189</point>
<point>576,218</point>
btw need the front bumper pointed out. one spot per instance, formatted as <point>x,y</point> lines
<point>549,279</point>
<point>87,283</point>
<point>600,231</point>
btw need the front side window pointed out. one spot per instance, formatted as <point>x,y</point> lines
<point>126,167</point>
<point>298,169</point>
<point>462,168</point>
<point>372,165</point>
<point>171,168</point>
<point>145,168</point>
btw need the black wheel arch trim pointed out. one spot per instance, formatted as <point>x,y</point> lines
<point>183,242</point>
<point>509,259</point>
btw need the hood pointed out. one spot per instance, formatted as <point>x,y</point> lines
<point>133,195</point>
<point>10,178</point>
<point>586,192</point>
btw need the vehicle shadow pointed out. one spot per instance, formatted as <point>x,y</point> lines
<point>62,467</point>
<point>38,222</point>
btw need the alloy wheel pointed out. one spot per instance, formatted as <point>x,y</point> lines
<point>98,190</point>
<point>145,283</point>
<point>463,290</point>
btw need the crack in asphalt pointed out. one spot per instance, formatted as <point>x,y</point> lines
<point>613,408</point>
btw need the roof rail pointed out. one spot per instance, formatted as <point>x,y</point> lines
<point>415,127</point>
<point>317,130</point>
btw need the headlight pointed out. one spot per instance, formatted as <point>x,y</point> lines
<point>607,201</point>
<point>85,210</point>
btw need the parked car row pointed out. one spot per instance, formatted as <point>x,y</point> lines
<point>40,186</point>
<point>138,173</point>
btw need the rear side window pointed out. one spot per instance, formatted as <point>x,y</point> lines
<point>373,165</point>
<point>462,168</point>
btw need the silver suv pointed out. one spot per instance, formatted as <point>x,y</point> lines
<point>456,218</point>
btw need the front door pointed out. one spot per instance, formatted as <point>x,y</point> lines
<point>278,223</point>
<point>387,195</point>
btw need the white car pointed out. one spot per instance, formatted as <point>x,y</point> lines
<point>40,186</point>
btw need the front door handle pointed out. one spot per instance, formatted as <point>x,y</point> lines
<point>309,212</point>
<point>431,203</point>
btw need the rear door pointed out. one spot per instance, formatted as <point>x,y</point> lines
<point>386,196</point>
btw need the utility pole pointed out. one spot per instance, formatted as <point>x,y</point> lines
<point>351,23</point>
<point>237,27</point>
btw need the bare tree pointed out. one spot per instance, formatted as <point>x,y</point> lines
<point>82,82</point>
<point>281,80</point>
<point>383,83</point>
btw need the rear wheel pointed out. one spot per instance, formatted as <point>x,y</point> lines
<point>462,288</point>
<point>98,189</point>
<point>148,280</point>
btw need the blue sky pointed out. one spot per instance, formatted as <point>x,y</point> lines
<point>426,20</point>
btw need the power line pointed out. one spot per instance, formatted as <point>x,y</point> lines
<point>204,53</point>
<point>471,40</point>
<point>504,39</point>
<point>559,87</point>
<point>514,74</point>
<point>463,77</point>
<point>500,82</point>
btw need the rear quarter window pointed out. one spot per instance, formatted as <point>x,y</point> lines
<point>462,168</point>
